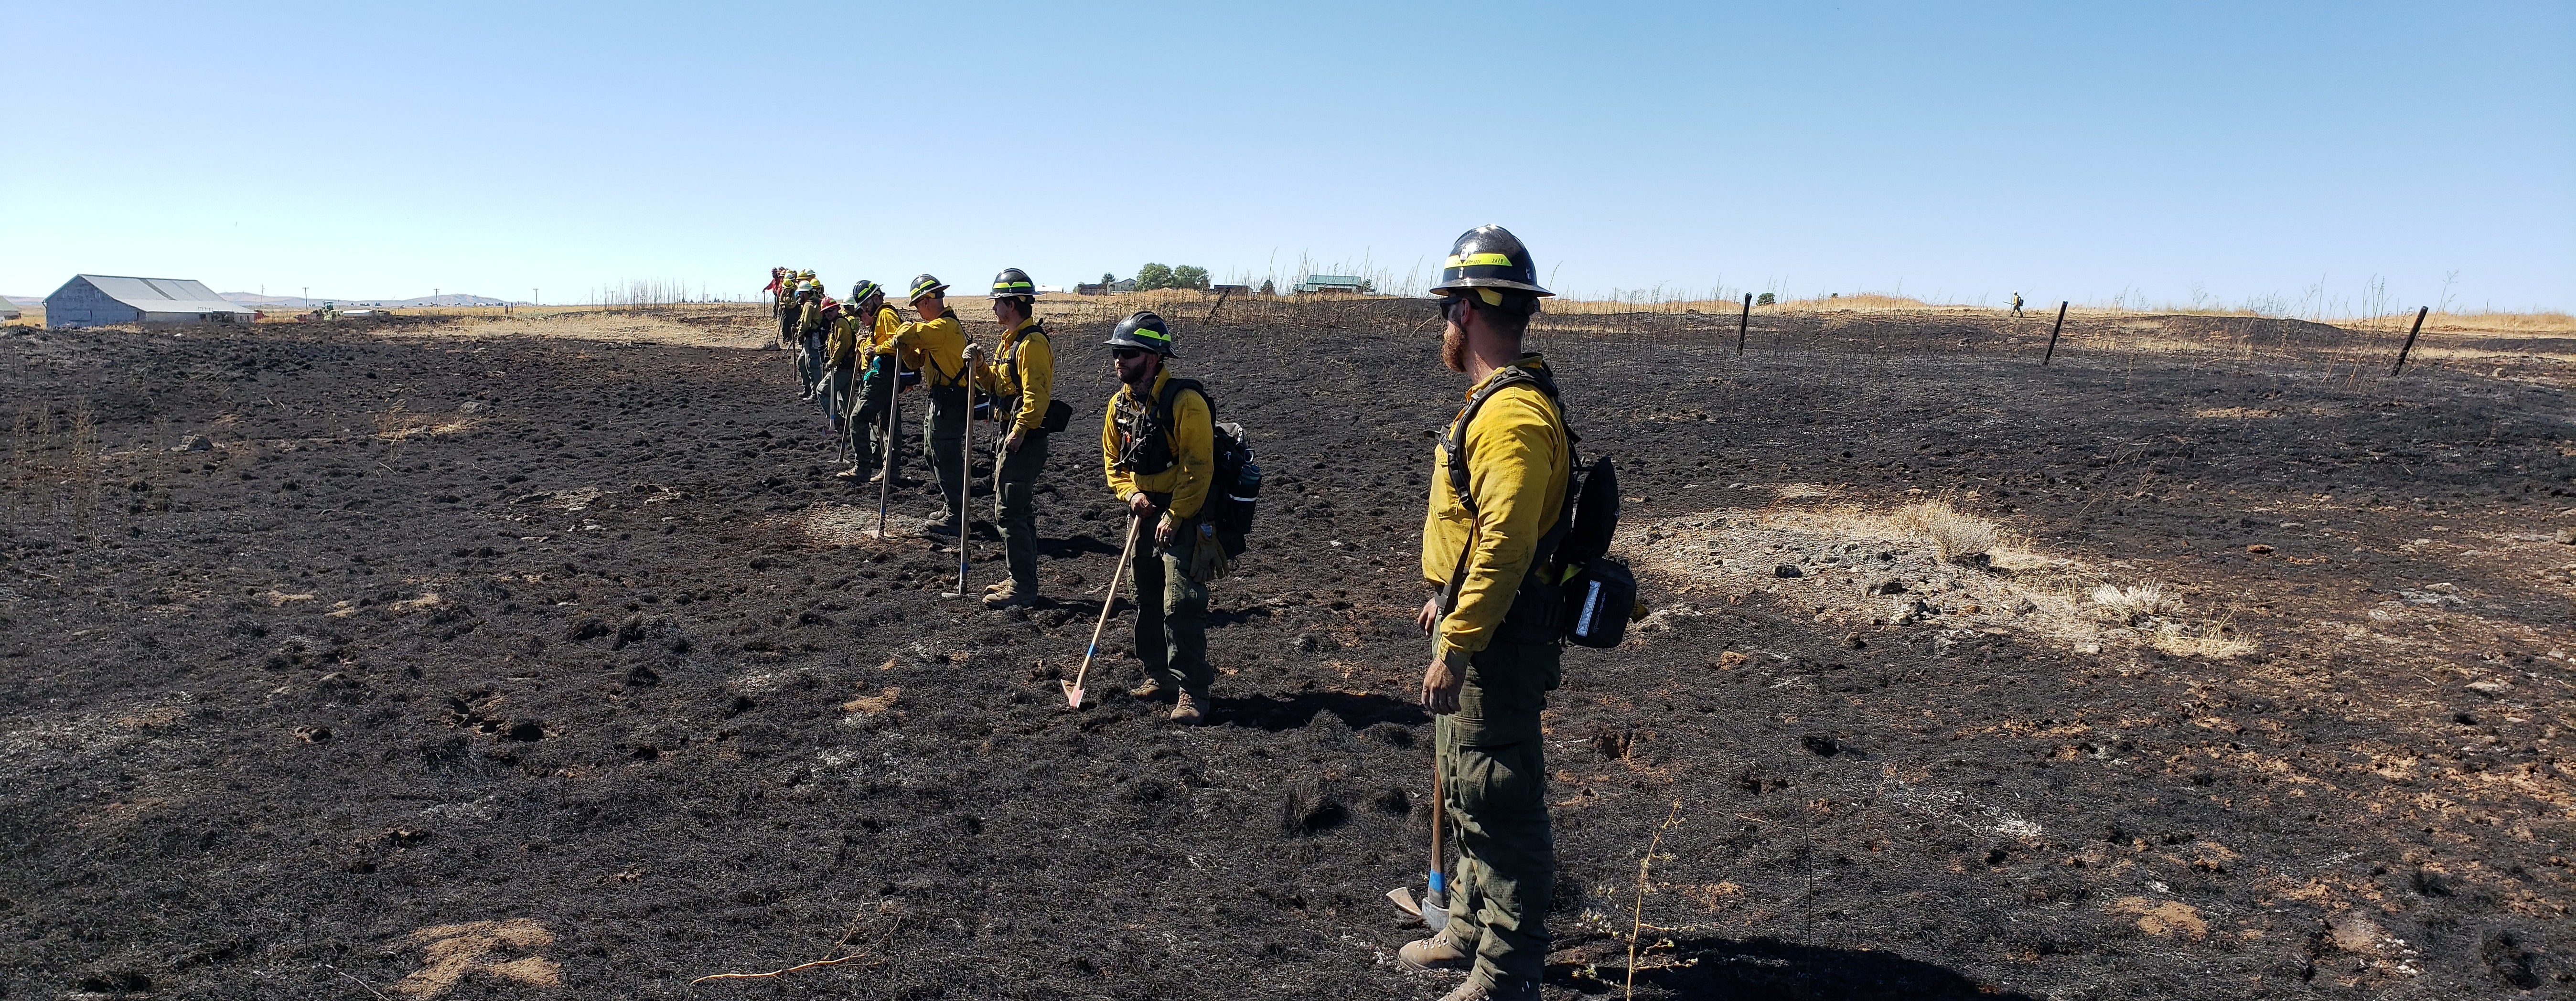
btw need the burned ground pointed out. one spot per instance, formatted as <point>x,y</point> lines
<point>511,665</point>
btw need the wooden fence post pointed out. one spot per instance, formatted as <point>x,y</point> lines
<point>2410,339</point>
<point>1741,322</point>
<point>2053,331</point>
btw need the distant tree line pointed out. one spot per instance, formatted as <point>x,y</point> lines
<point>1154,276</point>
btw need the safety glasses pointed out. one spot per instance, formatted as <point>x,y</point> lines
<point>1123,354</point>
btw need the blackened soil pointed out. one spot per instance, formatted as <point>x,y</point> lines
<point>564,651</point>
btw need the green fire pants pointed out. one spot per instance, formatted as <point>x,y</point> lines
<point>1496,786</point>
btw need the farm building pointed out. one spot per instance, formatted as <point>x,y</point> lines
<point>1333,283</point>
<point>1119,287</point>
<point>91,300</point>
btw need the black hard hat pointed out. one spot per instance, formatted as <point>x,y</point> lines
<point>925,286</point>
<point>861,291</point>
<point>1013,282</point>
<point>1143,329</point>
<point>1489,257</point>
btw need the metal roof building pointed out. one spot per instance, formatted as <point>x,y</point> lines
<point>1332,283</point>
<point>91,300</point>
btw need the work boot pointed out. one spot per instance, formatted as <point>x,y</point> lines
<point>878,478</point>
<point>1151,688</point>
<point>942,527</point>
<point>1187,709</point>
<point>1009,595</point>
<point>1436,952</point>
<point>851,473</point>
<point>1478,988</point>
<point>997,585</point>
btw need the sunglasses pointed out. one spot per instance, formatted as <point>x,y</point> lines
<point>1122,354</point>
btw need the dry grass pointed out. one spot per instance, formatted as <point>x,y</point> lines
<point>2546,322</point>
<point>1960,538</point>
<point>2212,638</point>
<point>2135,604</point>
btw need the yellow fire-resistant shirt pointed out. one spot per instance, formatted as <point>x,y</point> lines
<point>937,348</point>
<point>1024,367</point>
<point>881,339</point>
<point>1517,461</point>
<point>848,333</point>
<point>810,318</point>
<point>1193,439</point>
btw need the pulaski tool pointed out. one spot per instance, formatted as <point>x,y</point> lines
<point>1073,689</point>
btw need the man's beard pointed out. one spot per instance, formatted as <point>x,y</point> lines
<point>1453,348</point>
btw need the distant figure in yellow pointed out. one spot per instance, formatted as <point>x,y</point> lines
<point>2016,304</point>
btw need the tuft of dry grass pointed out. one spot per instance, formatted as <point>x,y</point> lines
<point>2134,604</point>
<point>2214,638</point>
<point>1960,537</point>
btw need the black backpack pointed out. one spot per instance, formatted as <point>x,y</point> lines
<point>1234,491</point>
<point>1573,590</point>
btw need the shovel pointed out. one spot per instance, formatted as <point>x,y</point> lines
<point>890,440</point>
<point>1073,689</point>
<point>965,476</point>
<point>1433,911</point>
<point>1434,908</point>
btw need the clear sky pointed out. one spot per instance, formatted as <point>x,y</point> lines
<point>2151,152</point>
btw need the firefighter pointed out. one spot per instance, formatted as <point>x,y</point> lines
<point>1493,661</point>
<point>2016,306</point>
<point>1021,380</point>
<point>782,307</point>
<point>849,330</point>
<point>936,346</point>
<point>811,325</point>
<point>868,325</point>
<point>1160,457</point>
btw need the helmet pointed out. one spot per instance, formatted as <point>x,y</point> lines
<point>861,291</point>
<point>1143,329</point>
<point>808,286</point>
<point>1489,257</point>
<point>1011,282</point>
<point>804,274</point>
<point>925,286</point>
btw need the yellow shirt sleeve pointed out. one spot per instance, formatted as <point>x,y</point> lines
<point>1121,482</point>
<point>937,348</point>
<point>1037,383</point>
<point>843,343</point>
<point>1194,455</point>
<point>881,340</point>
<point>1516,468</point>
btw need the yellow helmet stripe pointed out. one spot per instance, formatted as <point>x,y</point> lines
<point>1477,260</point>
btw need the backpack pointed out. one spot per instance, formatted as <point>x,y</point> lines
<point>1573,590</point>
<point>1234,489</point>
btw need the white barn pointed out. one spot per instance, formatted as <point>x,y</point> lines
<point>91,300</point>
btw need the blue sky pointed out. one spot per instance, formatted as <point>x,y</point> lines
<point>2152,153</point>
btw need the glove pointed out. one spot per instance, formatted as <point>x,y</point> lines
<point>1207,556</point>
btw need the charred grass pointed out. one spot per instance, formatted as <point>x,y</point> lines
<point>470,661</point>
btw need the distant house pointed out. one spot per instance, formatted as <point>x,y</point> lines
<point>1120,286</point>
<point>1332,283</point>
<point>91,300</point>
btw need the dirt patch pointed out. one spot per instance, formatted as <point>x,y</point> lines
<point>497,949</point>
